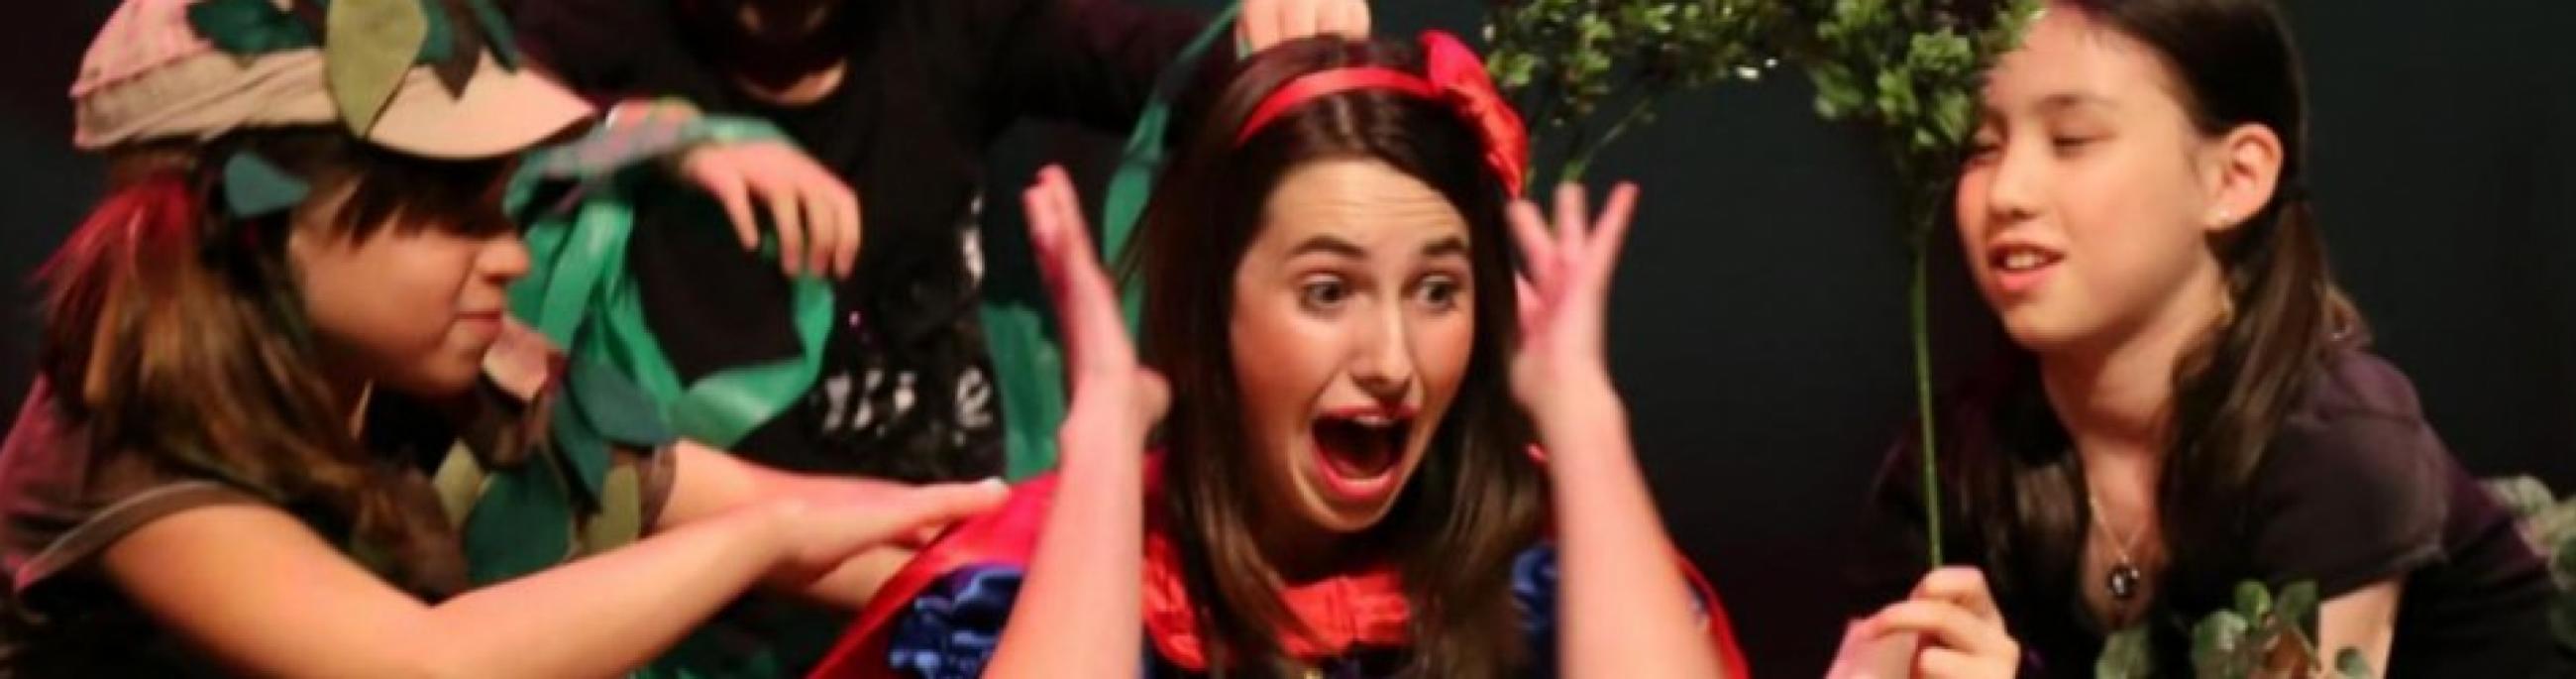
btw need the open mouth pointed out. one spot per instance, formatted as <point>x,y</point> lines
<point>2022,258</point>
<point>1358,450</point>
<point>2019,267</point>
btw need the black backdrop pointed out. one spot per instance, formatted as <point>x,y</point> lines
<point>1758,330</point>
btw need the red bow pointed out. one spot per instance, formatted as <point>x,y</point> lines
<point>1452,73</point>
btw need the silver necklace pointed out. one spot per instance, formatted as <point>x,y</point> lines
<point>2124,578</point>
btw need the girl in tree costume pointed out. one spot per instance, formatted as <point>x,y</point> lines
<point>282,425</point>
<point>1346,484</point>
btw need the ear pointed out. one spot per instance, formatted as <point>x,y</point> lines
<point>2247,171</point>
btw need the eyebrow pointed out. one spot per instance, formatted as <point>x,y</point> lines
<point>2056,103</point>
<point>1445,247</point>
<point>1331,245</point>
<point>2068,100</point>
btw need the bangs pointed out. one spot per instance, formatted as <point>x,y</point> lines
<point>410,194</point>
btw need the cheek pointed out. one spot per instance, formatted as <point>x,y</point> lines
<point>1968,207</point>
<point>2135,233</point>
<point>389,299</point>
<point>1282,359</point>
<point>1444,346</point>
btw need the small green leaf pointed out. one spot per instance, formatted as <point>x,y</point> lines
<point>2216,643</point>
<point>2126,655</point>
<point>2350,664</point>
<point>2298,607</point>
<point>2252,600</point>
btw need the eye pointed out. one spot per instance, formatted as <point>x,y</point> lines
<point>2066,145</point>
<point>1438,292</point>
<point>1983,150</point>
<point>1323,293</point>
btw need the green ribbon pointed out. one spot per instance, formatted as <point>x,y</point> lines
<point>1133,185</point>
<point>581,296</point>
<point>1027,364</point>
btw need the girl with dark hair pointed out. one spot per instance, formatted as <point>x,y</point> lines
<point>1345,483</point>
<point>283,426</point>
<point>2189,404</point>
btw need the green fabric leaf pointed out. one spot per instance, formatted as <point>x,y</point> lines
<point>620,519</point>
<point>452,56</point>
<point>372,45</point>
<point>459,482</point>
<point>253,186</point>
<point>578,446</point>
<point>438,35</point>
<point>245,27</point>
<point>522,524</point>
<point>614,407</point>
<point>496,27</point>
<point>582,296</point>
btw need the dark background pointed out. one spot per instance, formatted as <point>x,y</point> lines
<point>1759,327</point>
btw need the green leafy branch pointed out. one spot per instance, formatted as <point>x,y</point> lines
<point>1907,69</point>
<point>2263,635</point>
<point>1565,62</point>
<point>1911,69</point>
<point>2549,523</point>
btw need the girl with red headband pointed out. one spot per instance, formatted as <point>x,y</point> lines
<point>1342,481</point>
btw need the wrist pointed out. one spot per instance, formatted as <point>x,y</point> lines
<point>1581,399</point>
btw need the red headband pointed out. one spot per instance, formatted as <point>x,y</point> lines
<point>1453,74</point>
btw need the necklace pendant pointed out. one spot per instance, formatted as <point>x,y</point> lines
<point>2123,582</point>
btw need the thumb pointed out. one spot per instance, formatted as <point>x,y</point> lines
<point>1154,395</point>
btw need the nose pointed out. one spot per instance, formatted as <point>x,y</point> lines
<point>1383,365</point>
<point>504,258</point>
<point>2013,192</point>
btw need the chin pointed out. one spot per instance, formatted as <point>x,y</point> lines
<point>445,378</point>
<point>2042,332</point>
<point>1348,520</point>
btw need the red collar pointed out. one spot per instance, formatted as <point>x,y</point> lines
<point>1341,613</point>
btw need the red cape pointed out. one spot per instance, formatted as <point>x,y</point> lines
<point>1374,610</point>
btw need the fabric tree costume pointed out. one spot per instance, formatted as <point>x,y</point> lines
<point>902,383</point>
<point>547,459</point>
<point>918,367</point>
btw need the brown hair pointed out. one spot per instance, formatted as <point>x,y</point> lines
<point>1475,502</point>
<point>178,335</point>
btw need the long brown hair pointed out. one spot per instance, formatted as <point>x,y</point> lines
<point>2018,488</point>
<point>1475,501</point>
<point>177,336</point>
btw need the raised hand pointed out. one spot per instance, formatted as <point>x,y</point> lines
<point>1116,401</point>
<point>1565,298</point>
<point>816,214</point>
<point>1269,22</point>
